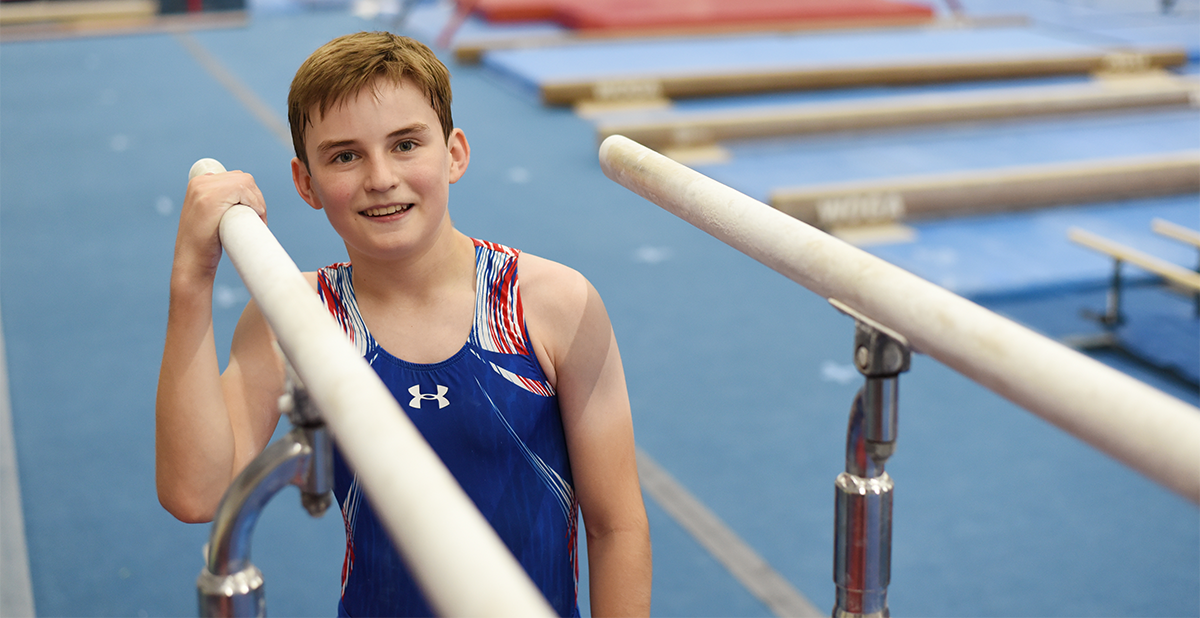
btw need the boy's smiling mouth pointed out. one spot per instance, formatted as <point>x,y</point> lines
<point>384,211</point>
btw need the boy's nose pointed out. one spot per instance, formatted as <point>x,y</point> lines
<point>381,176</point>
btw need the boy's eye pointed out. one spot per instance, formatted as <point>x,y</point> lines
<point>343,157</point>
<point>406,146</point>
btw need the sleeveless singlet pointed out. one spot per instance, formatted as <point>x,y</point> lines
<point>491,416</point>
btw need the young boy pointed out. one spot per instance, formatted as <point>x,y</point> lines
<point>519,388</point>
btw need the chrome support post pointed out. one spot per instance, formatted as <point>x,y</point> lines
<point>1112,317</point>
<point>230,585</point>
<point>1196,298</point>
<point>863,493</point>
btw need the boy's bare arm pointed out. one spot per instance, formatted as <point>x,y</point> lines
<point>208,426</point>
<point>599,428</point>
<point>569,318</point>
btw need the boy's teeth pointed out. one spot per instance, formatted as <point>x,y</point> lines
<point>385,210</point>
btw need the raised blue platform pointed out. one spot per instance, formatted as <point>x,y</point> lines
<point>1026,253</point>
<point>764,52</point>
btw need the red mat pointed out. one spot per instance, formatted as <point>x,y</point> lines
<point>667,14</point>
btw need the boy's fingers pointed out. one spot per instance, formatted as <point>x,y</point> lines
<point>260,203</point>
<point>228,189</point>
<point>250,195</point>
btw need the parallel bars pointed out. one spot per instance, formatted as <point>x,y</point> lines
<point>1140,426</point>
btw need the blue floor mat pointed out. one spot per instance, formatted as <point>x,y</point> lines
<point>1159,341</point>
<point>1027,252</point>
<point>767,52</point>
<point>761,166</point>
<point>1166,335</point>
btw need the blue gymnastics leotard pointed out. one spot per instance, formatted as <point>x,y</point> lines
<point>492,417</point>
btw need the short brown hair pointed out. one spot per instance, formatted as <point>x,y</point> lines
<point>344,66</point>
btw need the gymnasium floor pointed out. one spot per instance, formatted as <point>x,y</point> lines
<point>740,380</point>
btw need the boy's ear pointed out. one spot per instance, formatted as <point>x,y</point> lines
<point>303,181</point>
<point>460,154</point>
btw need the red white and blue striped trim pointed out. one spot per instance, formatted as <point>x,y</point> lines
<point>335,287</point>
<point>350,518</point>
<point>499,324</point>
<point>499,313</point>
<point>499,316</point>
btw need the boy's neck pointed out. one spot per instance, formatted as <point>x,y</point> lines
<point>448,261</point>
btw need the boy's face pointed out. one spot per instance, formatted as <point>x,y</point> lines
<point>379,167</point>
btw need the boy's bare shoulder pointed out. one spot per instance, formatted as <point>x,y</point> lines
<point>560,304</point>
<point>546,283</point>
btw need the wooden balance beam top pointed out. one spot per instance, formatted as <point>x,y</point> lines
<point>1176,231</point>
<point>571,92</point>
<point>886,200</point>
<point>990,104</point>
<point>54,19</point>
<point>1174,273</point>
<point>74,10</point>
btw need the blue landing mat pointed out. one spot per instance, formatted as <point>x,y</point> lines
<point>1184,33</point>
<point>996,254</point>
<point>758,167</point>
<point>681,109</point>
<point>1166,333</point>
<point>683,56</point>
<point>1108,22</point>
<point>1161,330</point>
<point>1028,252</point>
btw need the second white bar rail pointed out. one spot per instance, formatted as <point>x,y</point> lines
<point>1146,429</point>
<point>458,560</point>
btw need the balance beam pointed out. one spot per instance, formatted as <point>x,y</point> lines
<point>702,129</point>
<point>46,20</point>
<point>848,204</point>
<point>1176,231</point>
<point>1182,234</point>
<point>1140,426</point>
<point>1171,272</point>
<point>12,13</point>
<point>702,84</point>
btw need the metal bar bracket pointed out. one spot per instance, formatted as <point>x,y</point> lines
<point>230,585</point>
<point>863,493</point>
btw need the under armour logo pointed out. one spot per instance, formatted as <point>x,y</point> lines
<point>440,397</point>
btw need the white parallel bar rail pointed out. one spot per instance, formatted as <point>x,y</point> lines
<point>455,555</point>
<point>1146,429</point>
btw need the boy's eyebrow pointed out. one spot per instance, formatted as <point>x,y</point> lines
<point>415,128</point>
